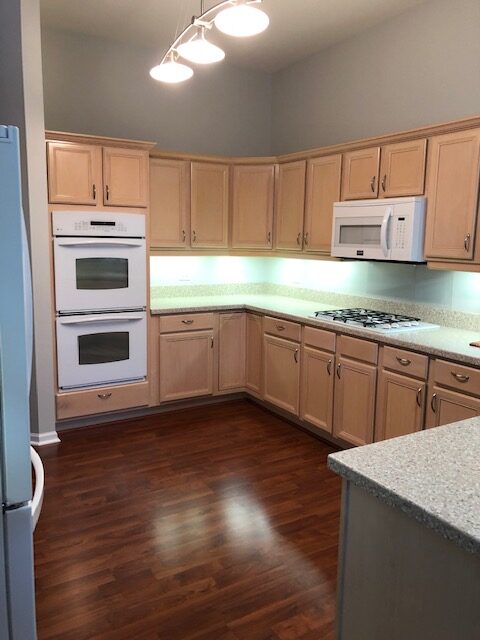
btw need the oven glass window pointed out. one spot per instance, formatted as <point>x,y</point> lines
<point>360,235</point>
<point>98,348</point>
<point>102,273</point>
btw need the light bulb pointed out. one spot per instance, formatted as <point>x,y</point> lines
<point>200,50</point>
<point>171,72</point>
<point>242,21</point>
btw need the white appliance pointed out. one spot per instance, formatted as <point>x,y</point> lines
<point>99,261</point>
<point>17,602</point>
<point>100,298</point>
<point>383,229</point>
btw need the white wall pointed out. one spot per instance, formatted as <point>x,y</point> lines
<point>100,87</point>
<point>416,69</point>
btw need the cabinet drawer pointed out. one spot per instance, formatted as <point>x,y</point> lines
<point>406,362</point>
<point>282,328</point>
<point>319,338</point>
<point>358,349</point>
<point>74,404</point>
<point>457,376</point>
<point>186,322</point>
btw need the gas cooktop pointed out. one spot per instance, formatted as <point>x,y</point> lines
<point>374,320</point>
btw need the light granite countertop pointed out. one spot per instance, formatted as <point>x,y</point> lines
<point>432,475</point>
<point>445,342</point>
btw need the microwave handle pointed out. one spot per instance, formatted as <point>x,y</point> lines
<point>99,242</point>
<point>102,318</point>
<point>384,231</point>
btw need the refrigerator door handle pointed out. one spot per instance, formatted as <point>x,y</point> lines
<point>37,500</point>
<point>28,295</point>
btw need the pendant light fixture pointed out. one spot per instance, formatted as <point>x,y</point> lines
<point>238,18</point>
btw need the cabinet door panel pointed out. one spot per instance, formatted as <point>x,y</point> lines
<point>360,174</point>
<point>452,195</point>
<point>355,388</point>
<point>317,388</point>
<point>125,177</point>
<point>445,407</point>
<point>400,405</point>
<point>322,190</point>
<point>253,188</point>
<point>402,171</point>
<point>281,381</point>
<point>186,365</point>
<point>169,203</point>
<point>73,173</point>
<point>289,206</point>
<point>254,353</point>
<point>209,205</point>
<point>231,363</point>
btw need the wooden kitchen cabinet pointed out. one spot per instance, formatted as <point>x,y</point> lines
<point>125,177</point>
<point>281,373</point>
<point>209,205</point>
<point>323,184</point>
<point>400,405</point>
<point>445,406</point>
<point>402,169</point>
<point>289,205</point>
<point>252,213</point>
<point>452,195</point>
<point>186,365</point>
<point>360,174</point>
<point>169,203</point>
<point>73,173</point>
<point>231,351</point>
<point>254,352</point>
<point>318,369</point>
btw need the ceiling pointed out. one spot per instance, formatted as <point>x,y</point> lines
<point>298,28</point>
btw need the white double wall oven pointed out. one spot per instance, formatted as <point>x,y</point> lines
<point>100,298</point>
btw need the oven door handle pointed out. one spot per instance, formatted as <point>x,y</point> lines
<point>102,318</point>
<point>97,242</point>
<point>384,231</point>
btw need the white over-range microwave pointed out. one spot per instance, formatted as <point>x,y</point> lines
<point>385,229</point>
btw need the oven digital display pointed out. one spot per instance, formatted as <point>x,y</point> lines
<point>101,273</point>
<point>102,223</point>
<point>101,348</point>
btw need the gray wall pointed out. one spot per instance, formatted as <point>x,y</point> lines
<point>99,87</point>
<point>419,68</point>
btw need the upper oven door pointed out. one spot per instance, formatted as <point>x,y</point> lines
<point>362,232</point>
<point>99,274</point>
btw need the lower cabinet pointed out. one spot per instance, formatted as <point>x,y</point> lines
<point>447,406</point>
<point>254,352</point>
<point>186,365</point>
<point>317,388</point>
<point>281,373</point>
<point>231,351</point>
<point>400,405</point>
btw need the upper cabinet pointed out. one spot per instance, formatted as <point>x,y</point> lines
<point>169,203</point>
<point>360,174</point>
<point>73,173</point>
<point>209,205</point>
<point>125,177</point>
<point>253,189</point>
<point>289,205</point>
<point>322,190</point>
<point>452,192</point>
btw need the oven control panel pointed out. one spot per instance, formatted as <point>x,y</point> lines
<point>101,224</point>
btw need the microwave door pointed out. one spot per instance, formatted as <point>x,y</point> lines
<point>356,237</point>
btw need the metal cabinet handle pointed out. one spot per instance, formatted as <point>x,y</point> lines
<point>94,191</point>
<point>295,355</point>
<point>299,238</point>
<point>269,237</point>
<point>339,370</point>
<point>194,236</point>
<point>184,235</point>
<point>433,403</point>
<point>404,361</point>
<point>329,367</point>
<point>104,396</point>
<point>211,342</point>
<point>280,327</point>
<point>419,396</point>
<point>460,377</point>
<point>187,321</point>
<point>372,183</point>
<point>107,192</point>
<point>466,242</point>
<point>384,183</point>
<point>305,239</point>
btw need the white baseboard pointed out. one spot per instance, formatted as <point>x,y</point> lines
<point>40,439</point>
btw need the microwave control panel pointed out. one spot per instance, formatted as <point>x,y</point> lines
<point>399,232</point>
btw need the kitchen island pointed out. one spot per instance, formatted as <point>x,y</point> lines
<point>410,537</point>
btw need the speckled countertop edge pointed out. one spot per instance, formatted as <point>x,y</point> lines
<point>447,515</point>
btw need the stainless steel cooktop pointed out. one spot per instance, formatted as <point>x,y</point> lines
<point>374,320</point>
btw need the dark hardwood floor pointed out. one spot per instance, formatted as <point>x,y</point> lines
<point>213,523</point>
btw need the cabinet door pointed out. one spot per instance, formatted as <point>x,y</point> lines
<point>445,407</point>
<point>400,405</point>
<point>452,195</point>
<point>125,177</point>
<point>209,205</point>
<point>73,173</point>
<point>355,388</point>
<point>231,351</point>
<point>317,388</point>
<point>254,354</point>
<point>253,206</point>
<point>360,174</point>
<point>169,203</point>
<point>402,169</point>
<point>322,190</point>
<point>186,365</point>
<point>289,205</point>
<point>281,373</point>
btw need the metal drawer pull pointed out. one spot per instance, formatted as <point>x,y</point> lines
<point>339,369</point>
<point>329,367</point>
<point>104,396</point>
<point>433,403</point>
<point>295,355</point>
<point>384,183</point>
<point>404,361</point>
<point>372,183</point>
<point>187,321</point>
<point>460,377</point>
<point>419,396</point>
<point>466,242</point>
<point>280,327</point>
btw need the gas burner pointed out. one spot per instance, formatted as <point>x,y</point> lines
<point>374,320</point>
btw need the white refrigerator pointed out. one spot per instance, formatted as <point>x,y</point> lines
<point>17,602</point>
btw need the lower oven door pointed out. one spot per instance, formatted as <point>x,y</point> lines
<point>93,350</point>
